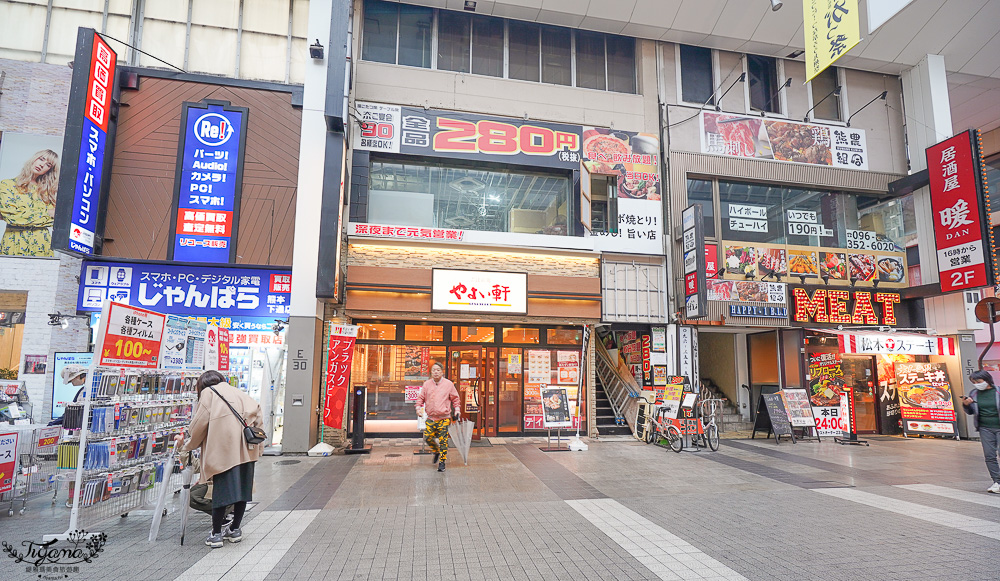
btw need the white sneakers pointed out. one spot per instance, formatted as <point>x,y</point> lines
<point>995,489</point>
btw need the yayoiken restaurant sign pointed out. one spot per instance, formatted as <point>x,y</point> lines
<point>832,306</point>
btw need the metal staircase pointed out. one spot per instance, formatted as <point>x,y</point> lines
<point>621,393</point>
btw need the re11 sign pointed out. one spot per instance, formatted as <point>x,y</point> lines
<point>130,337</point>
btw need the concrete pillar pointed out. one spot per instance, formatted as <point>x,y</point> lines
<point>928,121</point>
<point>305,323</point>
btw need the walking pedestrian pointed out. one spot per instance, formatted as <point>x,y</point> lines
<point>226,457</point>
<point>983,403</point>
<point>438,399</point>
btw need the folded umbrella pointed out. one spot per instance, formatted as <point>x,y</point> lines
<point>186,477</point>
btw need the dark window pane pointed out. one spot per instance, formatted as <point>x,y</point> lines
<point>621,64</point>
<point>523,49</point>
<point>824,84</point>
<point>556,55</point>
<point>415,35</point>
<point>380,31</point>
<point>752,212</point>
<point>590,72</point>
<point>700,192</point>
<point>487,46</point>
<point>696,74</point>
<point>762,74</point>
<point>454,46</point>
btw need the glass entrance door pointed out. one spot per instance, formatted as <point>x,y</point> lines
<point>473,370</point>
<point>859,378</point>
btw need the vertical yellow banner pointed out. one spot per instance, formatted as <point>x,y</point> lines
<point>832,27</point>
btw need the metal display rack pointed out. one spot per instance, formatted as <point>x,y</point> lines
<point>120,441</point>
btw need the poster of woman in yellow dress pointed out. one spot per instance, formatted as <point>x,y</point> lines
<point>28,197</point>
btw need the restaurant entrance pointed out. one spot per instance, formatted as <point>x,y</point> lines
<point>859,383</point>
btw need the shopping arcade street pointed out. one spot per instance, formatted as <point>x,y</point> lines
<point>621,510</point>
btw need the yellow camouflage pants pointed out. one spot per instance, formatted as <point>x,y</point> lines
<point>436,436</point>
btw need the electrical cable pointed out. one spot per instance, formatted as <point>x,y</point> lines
<point>702,108</point>
<point>143,52</point>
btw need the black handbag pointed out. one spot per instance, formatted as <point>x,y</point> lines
<point>251,434</point>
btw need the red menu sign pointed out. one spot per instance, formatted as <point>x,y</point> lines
<point>954,171</point>
<point>130,337</point>
<point>8,461</point>
<point>338,373</point>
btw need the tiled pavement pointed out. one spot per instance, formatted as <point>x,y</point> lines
<point>901,509</point>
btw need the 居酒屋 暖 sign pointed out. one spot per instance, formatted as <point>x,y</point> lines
<point>829,306</point>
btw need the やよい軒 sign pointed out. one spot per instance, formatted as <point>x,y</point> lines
<point>479,291</point>
<point>208,183</point>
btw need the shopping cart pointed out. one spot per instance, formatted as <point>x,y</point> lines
<point>35,472</point>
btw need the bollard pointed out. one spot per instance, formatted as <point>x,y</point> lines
<point>358,435</point>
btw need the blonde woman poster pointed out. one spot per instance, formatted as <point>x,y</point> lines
<point>29,179</point>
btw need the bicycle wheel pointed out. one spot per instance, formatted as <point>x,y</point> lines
<point>712,436</point>
<point>650,435</point>
<point>674,439</point>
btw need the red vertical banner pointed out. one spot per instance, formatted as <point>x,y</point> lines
<point>338,374</point>
<point>223,350</point>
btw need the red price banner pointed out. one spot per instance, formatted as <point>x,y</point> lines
<point>130,337</point>
<point>8,461</point>
<point>48,436</point>
<point>338,373</point>
<point>223,350</point>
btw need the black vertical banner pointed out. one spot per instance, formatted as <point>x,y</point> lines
<point>695,280</point>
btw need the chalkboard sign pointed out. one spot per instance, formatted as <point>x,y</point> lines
<point>775,407</point>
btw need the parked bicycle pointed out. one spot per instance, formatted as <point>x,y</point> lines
<point>674,430</point>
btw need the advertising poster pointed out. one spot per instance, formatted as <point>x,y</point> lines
<point>411,392</point>
<point>925,399</point>
<point>212,348</point>
<point>35,364</point>
<point>790,141</point>
<point>826,384</point>
<point>555,404</point>
<point>29,183</point>
<point>194,354</point>
<point>130,337</point>
<point>8,461</point>
<point>416,362</point>
<point>539,366</point>
<point>173,349</point>
<point>672,395</point>
<point>68,377</point>
<point>224,350</point>
<point>798,408</point>
<point>659,375</point>
<point>514,364</point>
<point>569,367</point>
<point>338,374</point>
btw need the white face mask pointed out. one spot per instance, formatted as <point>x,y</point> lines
<point>980,384</point>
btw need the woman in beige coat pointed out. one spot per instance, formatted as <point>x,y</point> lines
<point>226,458</point>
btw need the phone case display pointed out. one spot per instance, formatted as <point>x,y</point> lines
<point>119,439</point>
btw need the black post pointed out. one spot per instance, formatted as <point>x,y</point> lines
<point>358,434</point>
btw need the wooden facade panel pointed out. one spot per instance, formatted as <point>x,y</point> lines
<point>140,201</point>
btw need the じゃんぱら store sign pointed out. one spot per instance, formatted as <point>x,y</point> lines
<point>834,306</point>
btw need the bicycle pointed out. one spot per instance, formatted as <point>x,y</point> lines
<point>673,430</point>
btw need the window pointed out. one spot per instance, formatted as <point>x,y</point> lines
<point>424,333</point>
<point>454,47</point>
<point>700,192</point>
<point>697,78</point>
<point>590,68</point>
<point>621,64</point>
<point>762,82</point>
<point>523,47</point>
<point>376,332</point>
<point>473,334</point>
<point>604,204</point>
<point>415,25</point>
<point>403,34</point>
<point>556,56</point>
<point>379,44</point>
<point>447,196</point>
<point>826,105</point>
<point>564,336</point>
<point>519,335</point>
<point>487,46</point>
<point>751,212</point>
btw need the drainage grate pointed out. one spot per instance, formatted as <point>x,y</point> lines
<point>393,455</point>
<point>286,462</point>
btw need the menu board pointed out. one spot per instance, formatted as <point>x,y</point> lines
<point>747,291</point>
<point>925,399</point>
<point>797,407</point>
<point>539,366</point>
<point>555,404</point>
<point>867,258</point>
<point>780,424</point>
<point>826,384</point>
<point>569,367</point>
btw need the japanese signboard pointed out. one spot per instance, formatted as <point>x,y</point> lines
<point>869,257</point>
<point>954,168</point>
<point>555,405</point>
<point>86,151</point>
<point>826,384</point>
<point>221,293</point>
<point>479,291</point>
<point>129,337</point>
<point>539,366</point>
<point>208,181</point>
<point>385,231</point>
<point>217,349</point>
<point>901,343</point>
<point>338,374</point>
<point>789,141</point>
<point>428,132</point>
<point>925,398</point>
<point>832,27</point>
<point>695,281</point>
<point>8,461</point>
<point>775,406</point>
<point>828,306</point>
<point>569,367</point>
<point>797,407</point>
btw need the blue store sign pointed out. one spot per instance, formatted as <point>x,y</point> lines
<point>253,295</point>
<point>208,181</point>
<point>756,311</point>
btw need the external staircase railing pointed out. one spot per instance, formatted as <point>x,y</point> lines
<point>622,389</point>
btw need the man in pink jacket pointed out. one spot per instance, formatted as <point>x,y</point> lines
<point>438,398</point>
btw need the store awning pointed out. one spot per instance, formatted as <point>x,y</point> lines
<point>874,343</point>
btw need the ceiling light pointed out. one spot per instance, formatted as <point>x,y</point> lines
<point>776,5</point>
